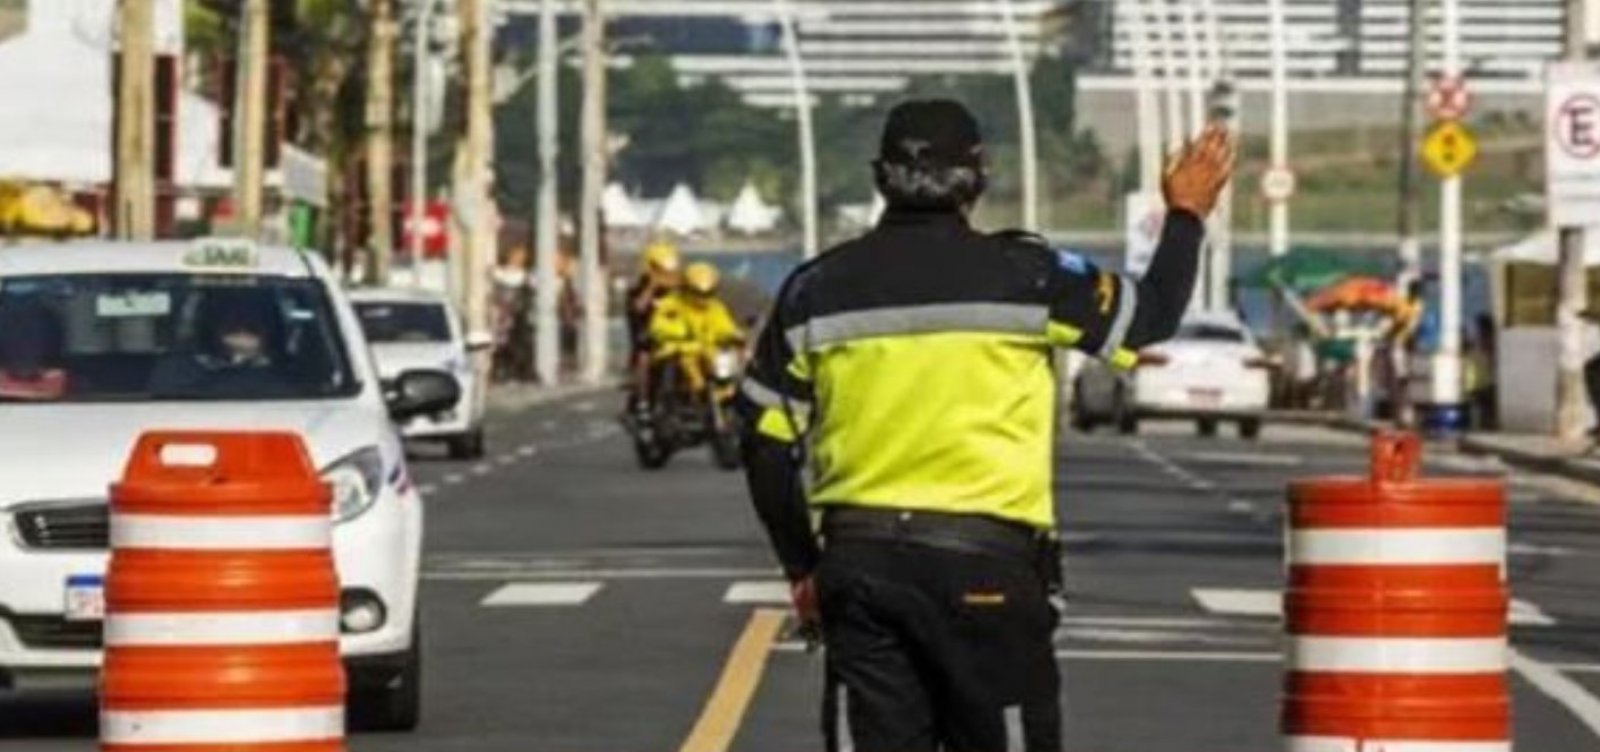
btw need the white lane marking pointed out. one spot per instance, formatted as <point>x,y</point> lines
<point>667,573</point>
<point>506,459</point>
<point>1576,668</point>
<point>542,594</point>
<point>249,727</point>
<point>586,406</point>
<point>223,628</point>
<point>482,469</point>
<point>1246,458</point>
<point>1341,744</point>
<point>1162,656</point>
<point>1227,602</point>
<point>1376,546</point>
<point>454,479</point>
<point>1240,506</point>
<point>549,425</point>
<point>1173,469</point>
<point>1157,636</point>
<point>1531,549</point>
<point>1238,602</point>
<point>1563,690</point>
<point>762,593</point>
<point>527,450</point>
<point>427,490</point>
<point>1398,655</point>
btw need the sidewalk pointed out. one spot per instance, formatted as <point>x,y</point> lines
<point>1541,453</point>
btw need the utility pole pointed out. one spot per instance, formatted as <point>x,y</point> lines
<point>1410,218</point>
<point>136,122</point>
<point>547,327</point>
<point>594,175</point>
<point>1572,283</point>
<point>1194,60</point>
<point>1147,108</point>
<point>1027,136</point>
<point>1226,107</point>
<point>1447,361</point>
<point>1279,218</point>
<point>1169,76</point>
<point>250,119</point>
<point>419,134</point>
<point>807,135</point>
<point>473,196</point>
<point>380,141</point>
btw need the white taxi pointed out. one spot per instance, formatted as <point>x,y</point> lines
<point>419,329</point>
<point>100,342</point>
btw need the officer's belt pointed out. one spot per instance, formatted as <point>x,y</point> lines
<point>965,533</point>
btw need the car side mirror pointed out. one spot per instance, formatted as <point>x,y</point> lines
<point>480,341</point>
<point>422,392</point>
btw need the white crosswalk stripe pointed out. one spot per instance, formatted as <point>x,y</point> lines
<point>542,594</point>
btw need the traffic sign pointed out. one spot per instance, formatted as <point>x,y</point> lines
<point>1572,144</point>
<point>1278,184</point>
<point>1449,98</point>
<point>435,229</point>
<point>1449,149</point>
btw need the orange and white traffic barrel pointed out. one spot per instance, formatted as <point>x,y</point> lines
<point>1396,611</point>
<point>222,603</point>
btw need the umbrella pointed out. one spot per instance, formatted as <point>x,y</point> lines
<point>1306,268</point>
<point>1357,294</point>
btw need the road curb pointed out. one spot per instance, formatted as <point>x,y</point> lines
<point>1531,460</point>
<point>517,398</point>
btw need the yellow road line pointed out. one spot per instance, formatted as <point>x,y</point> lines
<point>725,710</point>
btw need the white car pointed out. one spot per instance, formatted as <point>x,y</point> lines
<point>1211,371</point>
<point>100,342</point>
<point>412,329</point>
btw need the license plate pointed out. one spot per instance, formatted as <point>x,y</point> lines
<point>86,598</point>
<point>1205,397</point>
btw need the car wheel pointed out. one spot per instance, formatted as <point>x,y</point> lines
<point>1082,421</point>
<point>1207,428</point>
<point>1250,429</point>
<point>468,446</point>
<point>395,706</point>
<point>1127,423</point>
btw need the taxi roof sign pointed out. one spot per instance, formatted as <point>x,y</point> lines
<point>223,254</point>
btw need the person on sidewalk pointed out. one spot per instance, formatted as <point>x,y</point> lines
<point>912,369</point>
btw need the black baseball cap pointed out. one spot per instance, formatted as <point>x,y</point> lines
<point>931,131</point>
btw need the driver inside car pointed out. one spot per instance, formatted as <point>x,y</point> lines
<point>30,352</point>
<point>239,346</point>
<point>691,323</point>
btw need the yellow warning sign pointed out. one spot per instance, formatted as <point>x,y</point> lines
<point>1449,149</point>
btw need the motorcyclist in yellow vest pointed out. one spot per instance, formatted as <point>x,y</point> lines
<point>690,324</point>
<point>660,274</point>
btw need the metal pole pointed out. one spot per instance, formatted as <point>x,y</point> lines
<point>1169,76</point>
<point>594,174</point>
<point>419,135</point>
<point>1147,107</point>
<point>250,113</point>
<point>547,333</point>
<point>807,136</point>
<point>1572,288</point>
<point>1410,219</point>
<point>1227,107</point>
<point>1278,29</point>
<point>136,122</point>
<point>1025,125</point>
<point>380,142</point>
<point>475,193</point>
<point>1196,63</point>
<point>1447,362</point>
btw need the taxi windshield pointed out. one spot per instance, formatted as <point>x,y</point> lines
<point>145,337</point>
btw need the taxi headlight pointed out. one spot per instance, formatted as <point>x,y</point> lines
<point>356,480</point>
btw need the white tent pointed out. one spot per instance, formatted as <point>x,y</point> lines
<point>750,215</point>
<point>621,211</point>
<point>682,213</point>
<point>1543,247</point>
<point>56,115</point>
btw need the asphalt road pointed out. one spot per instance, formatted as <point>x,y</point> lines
<point>574,603</point>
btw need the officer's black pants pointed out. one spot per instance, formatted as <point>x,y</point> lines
<point>933,650</point>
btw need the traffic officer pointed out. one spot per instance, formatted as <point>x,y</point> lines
<point>911,370</point>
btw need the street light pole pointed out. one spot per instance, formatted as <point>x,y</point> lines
<point>594,175</point>
<point>136,121</point>
<point>1572,291</point>
<point>419,134</point>
<point>1278,29</point>
<point>250,119</point>
<point>380,141</point>
<point>547,335</point>
<point>1447,362</point>
<point>1195,62</point>
<point>1169,76</point>
<point>806,133</point>
<point>1147,108</point>
<point>1026,127</point>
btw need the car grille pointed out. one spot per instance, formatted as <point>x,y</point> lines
<point>63,525</point>
<point>54,632</point>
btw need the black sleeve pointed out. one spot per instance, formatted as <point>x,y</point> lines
<point>1107,314</point>
<point>774,403</point>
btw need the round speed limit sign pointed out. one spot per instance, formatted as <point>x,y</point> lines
<point>1278,184</point>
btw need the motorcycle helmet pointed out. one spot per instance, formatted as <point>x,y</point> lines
<point>701,278</point>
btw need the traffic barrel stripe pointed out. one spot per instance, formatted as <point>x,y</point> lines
<point>222,600</point>
<point>192,533</point>
<point>210,628</point>
<point>1384,546</point>
<point>1398,655</point>
<point>1337,744</point>
<point>207,729</point>
<point>1357,503</point>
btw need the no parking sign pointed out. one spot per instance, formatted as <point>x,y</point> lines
<point>1572,143</point>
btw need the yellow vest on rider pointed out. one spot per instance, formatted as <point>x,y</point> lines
<point>685,323</point>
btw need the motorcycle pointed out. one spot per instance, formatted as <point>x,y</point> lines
<point>691,405</point>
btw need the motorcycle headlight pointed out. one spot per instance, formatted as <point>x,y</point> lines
<point>725,365</point>
<point>356,481</point>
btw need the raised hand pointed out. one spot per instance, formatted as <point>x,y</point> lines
<point>1196,176</point>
